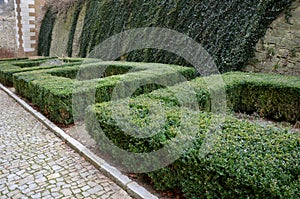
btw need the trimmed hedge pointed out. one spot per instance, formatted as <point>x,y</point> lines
<point>52,90</point>
<point>244,159</point>
<point>7,69</point>
<point>11,59</point>
<point>272,96</point>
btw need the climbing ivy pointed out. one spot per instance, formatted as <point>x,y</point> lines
<point>228,30</point>
<point>78,8</point>
<point>45,35</point>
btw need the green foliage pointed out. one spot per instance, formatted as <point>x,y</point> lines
<point>228,30</point>
<point>7,69</point>
<point>243,159</point>
<point>73,28</point>
<point>272,96</point>
<point>45,35</point>
<point>11,59</point>
<point>238,160</point>
<point>52,90</point>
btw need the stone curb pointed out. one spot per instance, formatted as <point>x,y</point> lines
<point>132,188</point>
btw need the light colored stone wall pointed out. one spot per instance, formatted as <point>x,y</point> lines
<point>78,30</point>
<point>279,50</point>
<point>27,25</point>
<point>39,15</point>
<point>25,16</point>
<point>60,34</point>
<point>61,31</point>
<point>7,27</point>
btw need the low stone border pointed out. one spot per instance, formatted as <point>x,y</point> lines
<point>133,189</point>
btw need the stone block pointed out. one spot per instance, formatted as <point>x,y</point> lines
<point>273,40</point>
<point>29,49</point>
<point>283,52</point>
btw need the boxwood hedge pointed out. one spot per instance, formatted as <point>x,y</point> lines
<point>52,90</point>
<point>8,68</point>
<point>12,59</point>
<point>243,159</point>
<point>272,96</point>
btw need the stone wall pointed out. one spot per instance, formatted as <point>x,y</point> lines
<point>7,27</point>
<point>61,31</point>
<point>27,13</point>
<point>279,50</point>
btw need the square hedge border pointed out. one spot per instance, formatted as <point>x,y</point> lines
<point>52,89</point>
<point>246,160</point>
<point>272,96</point>
<point>10,67</point>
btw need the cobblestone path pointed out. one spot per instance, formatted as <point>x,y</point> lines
<point>34,163</point>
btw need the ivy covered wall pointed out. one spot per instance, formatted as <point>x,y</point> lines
<point>45,36</point>
<point>279,50</point>
<point>228,30</point>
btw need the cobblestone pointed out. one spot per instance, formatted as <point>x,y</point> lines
<point>34,163</point>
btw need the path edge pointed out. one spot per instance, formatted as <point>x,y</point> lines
<point>132,188</point>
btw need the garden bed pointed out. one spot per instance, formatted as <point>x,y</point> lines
<point>242,159</point>
<point>271,96</point>
<point>223,158</point>
<point>52,90</point>
<point>8,67</point>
